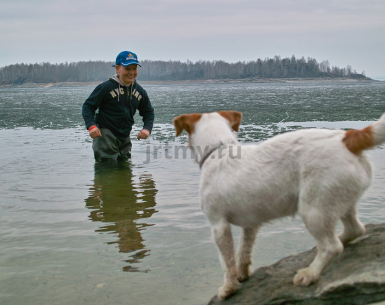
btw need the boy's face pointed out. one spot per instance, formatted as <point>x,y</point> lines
<point>127,74</point>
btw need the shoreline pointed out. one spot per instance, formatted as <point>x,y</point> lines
<point>186,82</point>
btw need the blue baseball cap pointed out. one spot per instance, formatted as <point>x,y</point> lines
<point>126,58</point>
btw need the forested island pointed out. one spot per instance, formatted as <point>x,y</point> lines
<point>91,71</point>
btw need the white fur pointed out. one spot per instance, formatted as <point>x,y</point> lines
<point>379,130</point>
<point>306,171</point>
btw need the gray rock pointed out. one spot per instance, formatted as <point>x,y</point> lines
<point>357,276</point>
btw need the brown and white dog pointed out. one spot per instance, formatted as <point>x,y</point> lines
<point>319,173</point>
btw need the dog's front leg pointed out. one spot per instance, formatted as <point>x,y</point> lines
<point>224,240</point>
<point>245,250</point>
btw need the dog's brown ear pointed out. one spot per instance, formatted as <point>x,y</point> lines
<point>186,122</point>
<point>234,117</point>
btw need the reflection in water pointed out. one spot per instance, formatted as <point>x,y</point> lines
<point>119,201</point>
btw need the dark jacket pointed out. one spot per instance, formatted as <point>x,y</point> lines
<point>117,106</point>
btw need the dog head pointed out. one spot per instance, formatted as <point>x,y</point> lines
<point>188,121</point>
<point>207,131</point>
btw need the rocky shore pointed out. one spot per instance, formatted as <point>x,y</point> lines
<point>357,276</point>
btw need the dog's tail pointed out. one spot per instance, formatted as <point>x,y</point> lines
<point>359,140</point>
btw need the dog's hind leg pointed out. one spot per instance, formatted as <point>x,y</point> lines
<point>353,227</point>
<point>224,240</point>
<point>245,250</point>
<point>322,226</point>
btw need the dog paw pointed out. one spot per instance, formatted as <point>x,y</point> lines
<point>345,238</point>
<point>226,291</point>
<point>304,277</point>
<point>243,273</point>
<point>242,278</point>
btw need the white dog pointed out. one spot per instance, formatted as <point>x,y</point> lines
<point>318,173</point>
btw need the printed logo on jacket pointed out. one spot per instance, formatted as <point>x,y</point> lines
<point>114,93</point>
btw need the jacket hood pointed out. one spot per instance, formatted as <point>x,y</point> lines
<point>115,78</point>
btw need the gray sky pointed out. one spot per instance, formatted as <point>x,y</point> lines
<point>345,32</point>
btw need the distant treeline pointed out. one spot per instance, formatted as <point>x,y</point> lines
<point>276,67</point>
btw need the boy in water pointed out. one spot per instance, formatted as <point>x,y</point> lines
<point>117,99</point>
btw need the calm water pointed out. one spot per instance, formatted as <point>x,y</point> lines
<point>76,232</point>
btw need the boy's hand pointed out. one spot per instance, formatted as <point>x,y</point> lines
<point>95,132</point>
<point>143,134</point>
